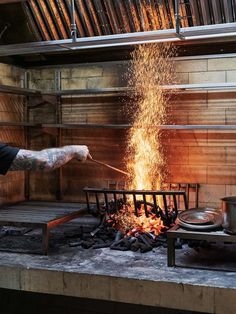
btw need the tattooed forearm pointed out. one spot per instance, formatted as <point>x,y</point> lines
<point>48,159</point>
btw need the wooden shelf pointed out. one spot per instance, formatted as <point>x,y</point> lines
<point>117,126</point>
<point>7,89</point>
<point>116,91</point>
<point>29,124</point>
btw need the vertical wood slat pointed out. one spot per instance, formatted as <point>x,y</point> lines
<point>205,10</point>
<point>228,11</point>
<point>93,17</point>
<point>57,22</point>
<point>102,17</point>
<point>65,22</point>
<point>83,17</point>
<point>183,15</point>
<point>155,15</point>
<point>140,15</point>
<point>124,17</point>
<point>218,18</point>
<point>48,20</point>
<point>162,12</point>
<point>133,18</point>
<point>33,22</point>
<point>112,17</point>
<point>39,20</point>
<point>145,15</point>
<point>172,12</point>
<point>150,15</point>
<point>195,12</point>
<point>121,20</point>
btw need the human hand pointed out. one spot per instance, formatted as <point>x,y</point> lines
<point>82,152</point>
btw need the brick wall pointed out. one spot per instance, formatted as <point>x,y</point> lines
<point>208,70</point>
<point>203,156</point>
<point>11,110</point>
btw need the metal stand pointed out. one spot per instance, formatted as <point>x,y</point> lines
<point>178,232</point>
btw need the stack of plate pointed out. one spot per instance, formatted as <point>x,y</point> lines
<point>201,219</point>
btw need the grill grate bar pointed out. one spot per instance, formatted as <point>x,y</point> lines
<point>155,206</point>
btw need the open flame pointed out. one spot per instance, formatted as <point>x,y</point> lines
<point>128,223</point>
<point>151,67</point>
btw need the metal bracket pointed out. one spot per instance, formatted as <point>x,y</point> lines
<point>41,100</point>
<point>177,20</point>
<point>73,23</point>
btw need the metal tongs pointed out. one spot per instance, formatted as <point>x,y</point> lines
<point>109,166</point>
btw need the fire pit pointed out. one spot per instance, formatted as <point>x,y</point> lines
<point>137,219</point>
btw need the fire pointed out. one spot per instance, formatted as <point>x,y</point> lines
<point>151,67</point>
<point>128,223</point>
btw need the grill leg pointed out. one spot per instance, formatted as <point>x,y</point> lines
<point>170,252</point>
<point>45,233</point>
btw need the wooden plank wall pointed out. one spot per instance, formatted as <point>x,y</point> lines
<point>11,110</point>
<point>195,156</point>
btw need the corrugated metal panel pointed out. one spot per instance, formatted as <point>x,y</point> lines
<point>51,18</point>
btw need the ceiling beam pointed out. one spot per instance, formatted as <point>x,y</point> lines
<point>11,1</point>
<point>189,35</point>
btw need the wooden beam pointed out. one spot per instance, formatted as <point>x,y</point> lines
<point>11,1</point>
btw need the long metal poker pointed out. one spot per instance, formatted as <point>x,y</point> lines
<point>108,166</point>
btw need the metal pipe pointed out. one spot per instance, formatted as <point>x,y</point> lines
<point>199,34</point>
<point>73,23</point>
<point>177,17</point>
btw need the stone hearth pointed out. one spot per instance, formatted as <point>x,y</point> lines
<point>129,277</point>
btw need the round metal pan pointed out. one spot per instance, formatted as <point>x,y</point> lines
<point>210,221</point>
<point>197,216</point>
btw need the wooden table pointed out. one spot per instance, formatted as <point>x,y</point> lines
<point>44,215</point>
<point>178,232</point>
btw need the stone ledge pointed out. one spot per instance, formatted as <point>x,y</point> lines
<point>123,277</point>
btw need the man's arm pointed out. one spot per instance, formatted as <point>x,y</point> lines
<point>48,159</point>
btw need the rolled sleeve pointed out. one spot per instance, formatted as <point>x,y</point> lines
<point>7,155</point>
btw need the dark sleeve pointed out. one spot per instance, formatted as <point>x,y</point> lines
<point>7,155</point>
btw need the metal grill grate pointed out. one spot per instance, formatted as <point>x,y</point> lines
<point>162,202</point>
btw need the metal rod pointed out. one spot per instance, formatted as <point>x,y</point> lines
<point>155,205</point>
<point>145,205</point>
<point>199,34</point>
<point>115,200</point>
<point>175,205</point>
<point>185,201</point>
<point>97,201</point>
<point>106,201</point>
<point>165,205</point>
<point>73,23</point>
<point>196,195</point>
<point>87,200</point>
<point>125,198</point>
<point>108,166</point>
<point>177,17</point>
<point>135,205</point>
<point>137,192</point>
<point>188,192</point>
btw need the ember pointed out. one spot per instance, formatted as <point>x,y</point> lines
<point>136,225</point>
<point>126,221</point>
<point>151,67</point>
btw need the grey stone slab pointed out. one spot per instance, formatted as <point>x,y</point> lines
<point>129,277</point>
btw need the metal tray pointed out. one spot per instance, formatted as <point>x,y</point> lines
<point>196,217</point>
<point>200,219</point>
